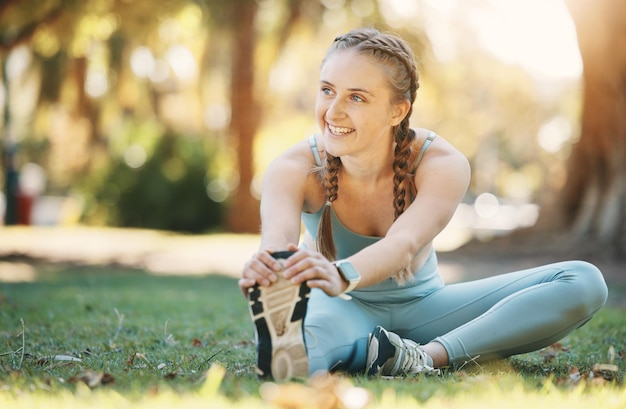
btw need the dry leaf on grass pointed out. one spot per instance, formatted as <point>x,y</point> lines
<point>93,378</point>
<point>66,358</point>
<point>171,375</point>
<point>323,391</point>
<point>63,358</point>
<point>605,371</point>
<point>549,353</point>
<point>598,375</point>
<point>574,375</point>
<point>137,355</point>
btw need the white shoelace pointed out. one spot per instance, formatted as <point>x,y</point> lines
<point>414,359</point>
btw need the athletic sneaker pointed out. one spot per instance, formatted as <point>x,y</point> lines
<point>390,355</point>
<point>278,313</point>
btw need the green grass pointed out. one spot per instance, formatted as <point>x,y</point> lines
<point>104,316</point>
<point>155,337</point>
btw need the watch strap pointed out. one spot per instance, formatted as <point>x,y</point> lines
<point>351,283</point>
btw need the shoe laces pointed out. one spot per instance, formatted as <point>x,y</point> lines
<point>414,359</point>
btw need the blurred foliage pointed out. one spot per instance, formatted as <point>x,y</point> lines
<point>167,192</point>
<point>82,71</point>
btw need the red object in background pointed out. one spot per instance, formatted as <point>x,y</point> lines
<point>24,208</point>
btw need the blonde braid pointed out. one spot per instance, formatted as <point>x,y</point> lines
<point>325,241</point>
<point>402,181</point>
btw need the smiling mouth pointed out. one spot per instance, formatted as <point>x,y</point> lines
<point>339,130</point>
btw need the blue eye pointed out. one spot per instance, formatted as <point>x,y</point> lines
<point>326,91</point>
<point>356,98</point>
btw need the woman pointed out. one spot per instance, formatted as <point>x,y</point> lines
<point>372,194</point>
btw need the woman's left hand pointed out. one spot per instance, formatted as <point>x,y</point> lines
<point>315,269</point>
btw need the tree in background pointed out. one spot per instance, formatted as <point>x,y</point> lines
<point>593,203</point>
<point>111,82</point>
<point>243,215</point>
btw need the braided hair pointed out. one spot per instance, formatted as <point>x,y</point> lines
<point>398,61</point>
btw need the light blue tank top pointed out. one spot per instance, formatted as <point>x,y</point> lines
<point>347,243</point>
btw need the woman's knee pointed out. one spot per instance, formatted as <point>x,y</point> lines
<point>592,288</point>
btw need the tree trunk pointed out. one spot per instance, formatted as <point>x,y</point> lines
<point>85,111</point>
<point>8,153</point>
<point>243,211</point>
<point>593,200</point>
<point>589,214</point>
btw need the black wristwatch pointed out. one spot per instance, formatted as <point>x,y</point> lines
<point>349,273</point>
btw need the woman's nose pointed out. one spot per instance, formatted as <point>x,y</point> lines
<point>335,109</point>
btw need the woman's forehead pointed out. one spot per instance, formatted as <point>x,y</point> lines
<point>350,69</point>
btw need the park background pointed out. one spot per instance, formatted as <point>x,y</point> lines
<point>135,135</point>
<point>164,116</point>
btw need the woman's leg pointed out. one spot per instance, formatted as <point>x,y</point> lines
<point>336,332</point>
<point>507,314</point>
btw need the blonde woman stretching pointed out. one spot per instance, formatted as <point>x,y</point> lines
<point>362,291</point>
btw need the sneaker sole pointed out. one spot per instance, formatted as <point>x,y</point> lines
<point>278,313</point>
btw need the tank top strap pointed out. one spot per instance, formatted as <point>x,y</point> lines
<point>316,152</point>
<point>431,136</point>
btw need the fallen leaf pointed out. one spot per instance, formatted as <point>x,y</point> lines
<point>291,395</point>
<point>550,352</point>
<point>574,375</point>
<point>611,353</point>
<point>107,378</point>
<point>66,358</point>
<point>45,360</point>
<point>130,360</point>
<point>171,375</point>
<point>554,348</point>
<point>324,391</point>
<point>137,355</point>
<point>197,342</point>
<point>90,378</point>
<point>598,381</point>
<point>605,371</point>
<point>548,357</point>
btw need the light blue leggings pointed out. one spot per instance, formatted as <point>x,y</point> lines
<point>475,321</point>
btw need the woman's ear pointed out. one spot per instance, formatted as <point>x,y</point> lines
<point>400,111</point>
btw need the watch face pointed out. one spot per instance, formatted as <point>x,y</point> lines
<point>348,271</point>
<point>282,254</point>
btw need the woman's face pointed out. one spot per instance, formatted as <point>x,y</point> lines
<point>354,106</point>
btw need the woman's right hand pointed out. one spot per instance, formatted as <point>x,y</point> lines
<point>261,269</point>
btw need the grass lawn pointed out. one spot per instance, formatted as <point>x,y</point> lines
<point>110,337</point>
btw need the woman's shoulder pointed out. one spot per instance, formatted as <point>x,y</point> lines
<point>424,134</point>
<point>434,142</point>
<point>438,152</point>
<point>299,154</point>
<point>296,165</point>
